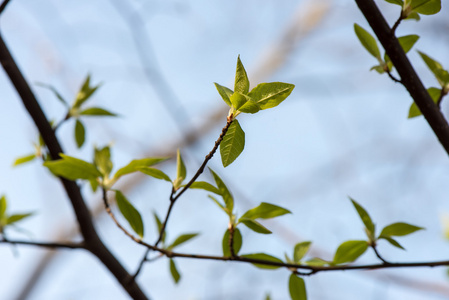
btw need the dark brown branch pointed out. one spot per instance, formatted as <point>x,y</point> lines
<point>409,78</point>
<point>44,245</point>
<point>3,5</point>
<point>92,241</point>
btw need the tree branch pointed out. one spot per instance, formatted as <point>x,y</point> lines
<point>93,242</point>
<point>3,5</point>
<point>44,244</point>
<point>409,78</point>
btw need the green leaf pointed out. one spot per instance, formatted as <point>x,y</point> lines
<point>434,93</point>
<point>367,41</point>
<point>174,271</point>
<point>16,218</point>
<point>268,95</point>
<point>254,226</point>
<point>297,288</point>
<point>265,211</point>
<point>156,173</point>
<point>300,250</point>
<point>181,171</point>
<point>392,241</point>
<point>268,297</point>
<point>426,7</point>
<point>85,92</point>
<point>55,91</point>
<point>97,111</point>
<point>233,144</point>
<point>366,219</point>
<point>224,192</point>
<point>159,226</point>
<point>134,165</point>
<point>72,168</point>
<point>24,159</point>
<point>3,206</point>
<point>244,103</point>
<point>349,251</point>
<point>398,2</point>
<point>440,74</point>
<point>181,240</point>
<point>102,160</point>
<point>205,186</point>
<point>408,41</point>
<point>413,16</point>
<point>225,93</point>
<point>241,79</point>
<point>379,68</point>
<point>317,262</point>
<point>237,242</point>
<point>130,213</point>
<point>93,185</point>
<point>265,257</point>
<point>80,133</point>
<point>219,204</point>
<point>399,229</point>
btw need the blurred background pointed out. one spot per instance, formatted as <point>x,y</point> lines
<point>343,132</point>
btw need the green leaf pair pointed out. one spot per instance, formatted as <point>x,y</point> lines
<point>370,44</point>
<point>241,100</point>
<point>7,219</point>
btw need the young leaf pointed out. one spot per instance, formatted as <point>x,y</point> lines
<point>244,103</point>
<point>317,262</point>
<point>181,240</point>
<point>219,204</point>
<point>205,186</point>
<point>241,79</point>
<point>181,172</point>
<point>130,213</point>
<point>156,173</point>
<point>3,206</point>
<point>102,160</point>
<point>364,216</point>
<point>408,41</point>
<point>159,226</point>
<point>426,7</point>
<point>85,92</point>
<point>392,241</point>
<point>265,211</point>
<point>399,229</point>
<point>398,2</point>
<point>297,288</point>
<point>237,242</point>
<point>349,251</point>
<point>134,165</point>
<point>80,133</point>
<point>16,218</point>
<point>254,226</point>
<point>268,95</point>
<point>232,144</point>
<point>224,192</point>
<point>97,111</point>
<point>367,41</point>
<point>434,94</point>
<point>174,271</point>
<point>225,93</point>
<point>72,168</point>
<point>55,91</point>
<point>266,257</point>
<point>24,159</point>
<point>300,250</point>
<point>440,74</point>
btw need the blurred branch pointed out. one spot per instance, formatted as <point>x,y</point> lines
<point>409,78</point>
<point>3,5</point>
<point>43,244</point>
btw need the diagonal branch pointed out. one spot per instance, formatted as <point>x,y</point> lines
<point>409,78</point>
<point>93,242</point>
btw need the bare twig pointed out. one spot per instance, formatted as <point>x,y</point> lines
<point>44,244</point>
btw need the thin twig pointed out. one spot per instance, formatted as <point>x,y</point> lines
<point>44,244</point>
<point>396,24</point>
<point>378,255</point>
<point>393,77</point>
